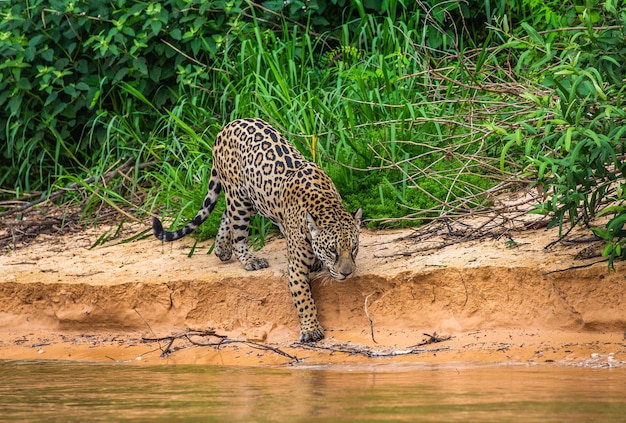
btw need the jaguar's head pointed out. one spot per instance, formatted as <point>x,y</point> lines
<point>335,242</point>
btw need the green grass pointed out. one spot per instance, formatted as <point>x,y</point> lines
<point>387,147</point>
<point>380,126</point>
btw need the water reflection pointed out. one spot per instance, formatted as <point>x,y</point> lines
<point>71,392</point>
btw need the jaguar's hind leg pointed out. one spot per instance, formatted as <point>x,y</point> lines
<point>224,240</point>
<point>238,216</point>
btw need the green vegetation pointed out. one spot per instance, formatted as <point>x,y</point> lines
<point>415,109</point>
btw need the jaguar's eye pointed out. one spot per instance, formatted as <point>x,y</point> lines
<point>333,251</point>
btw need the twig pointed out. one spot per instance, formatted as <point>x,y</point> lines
<point>432,339</point>
<point>171,338</point>
<point>438,246</point>
<point>182,53</point>
<point>144,320</point>
<point>580,266</point>
<point>186,334</point>
<point>368,352</point>
<point>222,341</point>
<point>256,345</point>
<point>368,316</point>
<point>561,238</point>
<point>395,353</point>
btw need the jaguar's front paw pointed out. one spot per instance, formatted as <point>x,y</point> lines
<point>256,263</point>
<point>311,336</point>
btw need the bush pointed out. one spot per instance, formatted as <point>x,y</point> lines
<point>575,143</point>
<point>59,88</point>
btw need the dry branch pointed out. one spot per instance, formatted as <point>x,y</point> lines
<point>348,348</point>
<point>222,341</point>
<point>24,228</point>
<point>431,339</point>
<point>105,178</point>
<point>366,351</point>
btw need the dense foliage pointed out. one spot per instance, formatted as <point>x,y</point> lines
<point>415,108</point>
<point>574,142</point>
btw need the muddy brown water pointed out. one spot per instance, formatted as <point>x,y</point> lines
<point>53,391</point>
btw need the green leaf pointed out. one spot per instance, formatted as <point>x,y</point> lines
<point>70,90</point>
<point>176,34</point>
<point>24,84</point>
<point>47,54</point>
<point>616,224</point>
<point>274,5</point>
<point>542,169</point>
<point>534,35</point>
<point>140,65</point>
<point>568,138</point>
<point>611,209</point>
<point>607,250</point>
<point>94,100</point>
<point>51,98</point>
<point>14,104</point>
<point>610,7</point>
<point>504,152</point>
<point>156,26</point>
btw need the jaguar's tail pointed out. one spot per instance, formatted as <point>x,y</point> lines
<point>213,192</point>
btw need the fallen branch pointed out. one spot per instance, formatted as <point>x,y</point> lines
<point>20,229</point>
<point>184,335</point>
<point>223,340</point>
<point>366,351</point>
<point>338,348</point>
<point>252,344</point>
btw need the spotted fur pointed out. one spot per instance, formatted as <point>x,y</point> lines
<point>260,172</point>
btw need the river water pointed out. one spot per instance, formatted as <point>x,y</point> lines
<point>51,391</point>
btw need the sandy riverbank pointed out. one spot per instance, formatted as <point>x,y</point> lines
<point>486,301</point>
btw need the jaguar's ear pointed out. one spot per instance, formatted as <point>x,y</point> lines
<point>310,221</point>
<point>357,216</point>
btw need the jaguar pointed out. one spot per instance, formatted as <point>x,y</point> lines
<point>262,173</point>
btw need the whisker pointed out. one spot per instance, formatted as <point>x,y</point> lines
<point>322,277</point>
